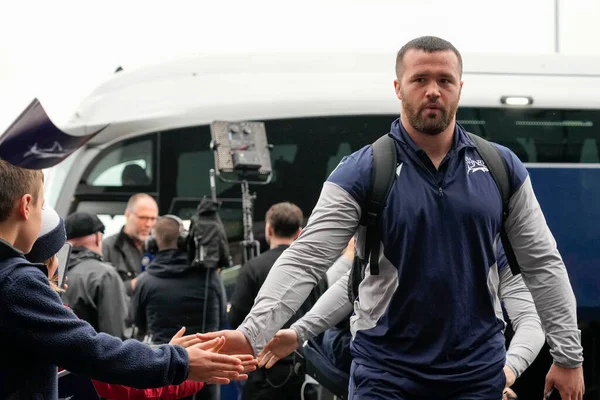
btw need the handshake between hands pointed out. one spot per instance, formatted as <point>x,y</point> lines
<point>206,364</point>
<point>225,356</point>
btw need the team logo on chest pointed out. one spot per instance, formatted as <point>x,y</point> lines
<point>475,165</point>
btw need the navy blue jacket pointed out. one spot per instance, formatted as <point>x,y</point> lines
<point>428,318</point>
<point>435,316</point>
<point>38,333</point>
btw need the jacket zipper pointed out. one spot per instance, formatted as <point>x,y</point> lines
<point>439,185</point>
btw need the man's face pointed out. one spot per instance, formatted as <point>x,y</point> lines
<point>141,219</point>
<point>31,212</point>
<point>429,89</point>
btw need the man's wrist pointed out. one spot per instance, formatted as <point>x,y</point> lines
<point>567,366</point>
<point>510,375</point>
<point>299,336</point>
<point>249,340</point>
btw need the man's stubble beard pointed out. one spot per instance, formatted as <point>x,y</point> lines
<point>426,125</point>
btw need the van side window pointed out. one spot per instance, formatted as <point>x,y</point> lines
<point>538,135</point>
<point>129,163</point>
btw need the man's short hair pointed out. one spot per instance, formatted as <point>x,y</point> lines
<point>15,182</point>
<point>135,198</point>
<point>429,44</point>
<point>285,218</point>
<point>166,232</point>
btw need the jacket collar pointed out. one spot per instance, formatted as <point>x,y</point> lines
<point>460,139</point>
<point>9,251</point>
<point>123,239</point>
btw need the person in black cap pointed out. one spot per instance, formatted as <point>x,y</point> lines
<point>96,292</point>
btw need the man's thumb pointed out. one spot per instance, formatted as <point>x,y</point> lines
<point>209,344</point>
<point>548,386</point>
<point>208,335</point>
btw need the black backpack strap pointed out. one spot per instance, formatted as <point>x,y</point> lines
<point>499,170</point>
<point>382,178</point>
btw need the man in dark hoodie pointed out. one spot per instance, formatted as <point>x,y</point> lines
<point>96,292</point>
<point>171,293</point>
<point>41,333</point>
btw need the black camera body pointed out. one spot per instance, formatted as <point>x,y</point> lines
<point>241,151</point>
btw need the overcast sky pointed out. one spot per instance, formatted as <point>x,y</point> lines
<point>60,50</point>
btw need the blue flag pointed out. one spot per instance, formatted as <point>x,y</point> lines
<point>34,142</point>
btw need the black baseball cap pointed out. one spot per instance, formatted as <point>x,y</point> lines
<point>81,223</point>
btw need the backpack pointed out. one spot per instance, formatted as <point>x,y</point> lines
<point>207,242</point>
<point>383,175</point>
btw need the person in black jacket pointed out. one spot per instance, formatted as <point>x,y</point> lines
<point>171,293</point>
<point>41,333</point>
<point>125,249</point>
<point>283,224</point>
<point>96,292</point>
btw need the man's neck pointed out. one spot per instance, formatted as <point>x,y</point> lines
<point>435,146</point>
<point>168,248</point>
<point>138,243</point>
<point>8,235</point>
<point>276,242</point>
<point>93,249</point>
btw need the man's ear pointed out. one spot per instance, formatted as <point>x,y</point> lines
<point>397,89</point>
<point>298,233</point>
<point>99,239</point>
<point>24,207</point>
<point>268,229</point>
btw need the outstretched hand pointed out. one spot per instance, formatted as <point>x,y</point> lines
<point>235,341</point>
<point>281,345</point>
<point>248,362</point>
<point>206,365</point>
<point>185,341</point>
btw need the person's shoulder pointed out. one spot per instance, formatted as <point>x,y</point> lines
<point>267,257</point>
<point>19,277</point>
<point>251,265</point>
<point>258,267</point>
<point>27,272</point>
<point>106,268</point>
<point>110,240</point>
<point>516,170</point>
<point>360,160</point>
<point>353,173</point>
<point>143,278</point>
<point>17,267</point>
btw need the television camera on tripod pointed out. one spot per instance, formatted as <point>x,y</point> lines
<point>241,153</point>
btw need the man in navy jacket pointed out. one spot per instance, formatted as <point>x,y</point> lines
<point>425,326</point>
<point>39,333</point>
